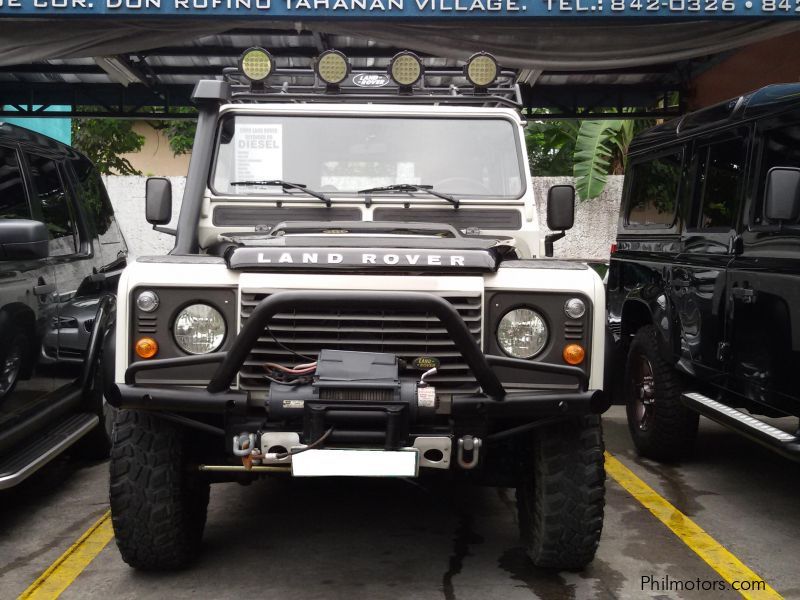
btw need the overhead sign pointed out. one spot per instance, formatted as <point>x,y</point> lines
<point>404,9</point>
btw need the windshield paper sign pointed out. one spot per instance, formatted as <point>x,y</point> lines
<point>406,9</point>
<point>259,152</point>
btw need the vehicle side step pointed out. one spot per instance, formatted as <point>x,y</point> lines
<point>33,455</point>
<point>775,439</point>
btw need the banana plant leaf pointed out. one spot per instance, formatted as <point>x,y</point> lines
<point>594,150</point>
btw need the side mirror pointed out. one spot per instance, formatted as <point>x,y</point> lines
<point>560,214</point>
<point>158,200</point>
<point>21,239</point>
<point>782,194</point>
<point>561,207</point>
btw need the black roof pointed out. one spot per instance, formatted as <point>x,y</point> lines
<point>767,100</point>
<point>10,133</point>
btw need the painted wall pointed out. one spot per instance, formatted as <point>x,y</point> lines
<point>591,238</point>
<point>156,157</point>
<point>58,129</point>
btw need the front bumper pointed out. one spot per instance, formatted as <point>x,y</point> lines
<point>494,403</point>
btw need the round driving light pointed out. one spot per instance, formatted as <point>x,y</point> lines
<point>405,69</point>
<point>199,329</point>
<point>147,301</point>
<point>256,64</point>
<point>332,67</point>
<point>522,333</point>
<point>146,348</point>
<point>575,308</point>
<point>574,354</point>
<point>481,70</point>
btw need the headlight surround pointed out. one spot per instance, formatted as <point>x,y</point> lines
<point>199,329</point>
<point>522,333</point>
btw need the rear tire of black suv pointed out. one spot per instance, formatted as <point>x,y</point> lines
<point>561,497</point>
<point>662,428</point>
<point>158,508</point>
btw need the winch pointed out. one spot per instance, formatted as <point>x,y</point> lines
<point>360,394</point>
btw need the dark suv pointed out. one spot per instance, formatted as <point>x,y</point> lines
<point>61,253</point>
<point>704,284</point>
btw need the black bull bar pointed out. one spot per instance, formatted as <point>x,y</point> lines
<point>495,401</point>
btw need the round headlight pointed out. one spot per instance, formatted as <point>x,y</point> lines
<point>575,308</point>
<point>256,64</point>
<point>147,301</point>
<point>405,68</point>
<point>522,333</point>
<point>481,70</point>
<point>332,67</point>
<point>199,329</point>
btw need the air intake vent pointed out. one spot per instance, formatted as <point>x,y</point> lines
<point>573,331</point>
<point>146,323</point>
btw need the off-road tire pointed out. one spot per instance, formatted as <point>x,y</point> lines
<point>561,495</point>
<point>672,429</point>
<point>158,507</point>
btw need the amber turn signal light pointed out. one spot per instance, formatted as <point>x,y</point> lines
<point>146,348</point>
<point>574,354</point>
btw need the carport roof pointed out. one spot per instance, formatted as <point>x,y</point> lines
<point>137,68</point>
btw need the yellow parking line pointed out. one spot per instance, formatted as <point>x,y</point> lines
<point>730,568</point>
<point>69,565</point>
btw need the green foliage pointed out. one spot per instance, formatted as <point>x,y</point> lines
<point>551,146</point>
<point>104,140</point>
<point>594,151</point>
<point>179,132</point>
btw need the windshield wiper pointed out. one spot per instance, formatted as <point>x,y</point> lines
<point>287,185</point>
<point>412,187</point>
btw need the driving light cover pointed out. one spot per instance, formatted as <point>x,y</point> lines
<point>574,354</point>
<point>575,308</point>
<point>405,69</point>
<point>522,333</point>
<point>147,301</point>
<point>199,329</point>
<point>332,67</point>
<point>481,70</point>
<point>256,64</point>
<point>146,348</point>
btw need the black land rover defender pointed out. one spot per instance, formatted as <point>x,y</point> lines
<point>61,254</point>
<point>704,285</point>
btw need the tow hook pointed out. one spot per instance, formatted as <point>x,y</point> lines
<point>243,444</point>
<point>468,450</point>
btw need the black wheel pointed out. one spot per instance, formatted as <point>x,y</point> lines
<point>561,497</point>
<point>12,358</point>
<point>662,428</point>
<point>158,507</point>
<point>96,445</point>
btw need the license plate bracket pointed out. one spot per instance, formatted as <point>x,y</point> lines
<point>350,462</point>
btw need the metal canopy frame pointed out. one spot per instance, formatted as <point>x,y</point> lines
<point>157,84</point>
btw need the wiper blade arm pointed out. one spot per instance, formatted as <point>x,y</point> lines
<point>412,187</point>
<point>287,185</point>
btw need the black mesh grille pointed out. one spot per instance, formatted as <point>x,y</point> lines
<point>482,218</point>
<point>403,333</point>
<point>248,216</point>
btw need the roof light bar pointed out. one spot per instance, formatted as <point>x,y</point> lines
<point>332,67</point>
<point>256,64</point>
<point>481,70</point>
<point>406,69</point>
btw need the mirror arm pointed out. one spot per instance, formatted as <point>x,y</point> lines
<point>548,242</point>
<point>168,230</point>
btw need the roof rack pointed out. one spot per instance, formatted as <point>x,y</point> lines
<point>438,85</point>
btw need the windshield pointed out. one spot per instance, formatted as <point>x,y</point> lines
<point>342,155</point>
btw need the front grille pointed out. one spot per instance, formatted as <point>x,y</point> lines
<point>404,333</point>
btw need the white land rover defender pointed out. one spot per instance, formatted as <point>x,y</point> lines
<point>358,288</point>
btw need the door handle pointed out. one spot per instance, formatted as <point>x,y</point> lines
<point>44,288</point>
<point>744,294</point>
<point>681,283</point>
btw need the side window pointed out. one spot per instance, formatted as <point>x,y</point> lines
<point>718,184</point>
<point>13,199</point>
<point>93,197</point>
<point>56,210</point>
<point>654,191</point>
<point>781,148</point>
